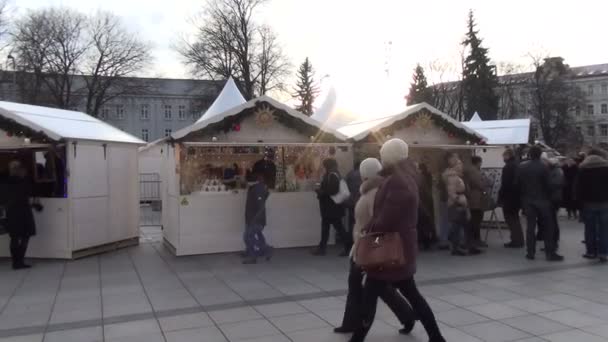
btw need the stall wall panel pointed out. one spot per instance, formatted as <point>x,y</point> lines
<point>171,220</point>
<point>90,222</point>
<point>52,237</point>
<point>88,171</point>
<point>212,223</point>
<point>150,160</point>
<point>124,193</point>
<point>294,219</point>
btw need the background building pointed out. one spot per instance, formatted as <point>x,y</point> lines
<point>515,100</point>
<point>153,109</point>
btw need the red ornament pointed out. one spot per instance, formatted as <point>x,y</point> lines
<point>9,134</point>
<point>236,127</point>
<point>451,135</point>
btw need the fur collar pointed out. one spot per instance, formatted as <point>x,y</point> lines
<point>370,184</point>
<point>594,162</point>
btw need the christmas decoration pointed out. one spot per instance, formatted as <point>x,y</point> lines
<point>264,116</point>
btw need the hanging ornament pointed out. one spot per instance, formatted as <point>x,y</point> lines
<point>236,127</point>
<point>451,135</point>
<point>9,134</point>
<point>264,116</point>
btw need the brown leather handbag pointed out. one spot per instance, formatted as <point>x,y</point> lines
<point>379,251</point>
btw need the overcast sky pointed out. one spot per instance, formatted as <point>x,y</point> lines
<point>349,39</point>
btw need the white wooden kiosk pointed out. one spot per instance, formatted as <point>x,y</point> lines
<point>429,133</point>
<point>85,174</point>
<point>203,214</point>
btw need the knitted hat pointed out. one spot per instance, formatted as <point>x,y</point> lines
<point>369,168</point>
<point>393,151</point>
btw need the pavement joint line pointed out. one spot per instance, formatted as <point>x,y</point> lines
<point>55,300</point>
<point>147,295</point>
<point>276,300</point>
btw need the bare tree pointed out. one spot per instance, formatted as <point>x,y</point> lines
<point>115,53</point>
<point>512,80</point>
<point>49,45</point>
<point>553,100</point>
<point>230,43</point>
<point>448,96</point>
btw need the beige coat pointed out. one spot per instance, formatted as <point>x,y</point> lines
<point>455,187</point>
<point>364,209</point>
<point>475,187</point>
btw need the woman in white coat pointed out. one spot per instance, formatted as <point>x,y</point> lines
<point>369,170</point>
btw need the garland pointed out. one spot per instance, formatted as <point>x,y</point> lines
<point>440,122</point>
<point>233,123</point>
<point>13,128</point>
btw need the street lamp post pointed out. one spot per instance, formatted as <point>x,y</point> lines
<point>12,58</point>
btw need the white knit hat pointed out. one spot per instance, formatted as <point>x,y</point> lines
<point>393,151</point>
<point>369,168</point>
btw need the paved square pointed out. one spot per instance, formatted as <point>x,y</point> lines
<point>146,294</point>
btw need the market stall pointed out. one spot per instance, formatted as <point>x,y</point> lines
<point>209,165</point>
<point>429,133</point>
<point>82,170</point>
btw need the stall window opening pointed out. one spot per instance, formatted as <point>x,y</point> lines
<point>45,170</point>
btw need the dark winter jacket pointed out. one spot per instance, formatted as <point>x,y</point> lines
<point>508,194</point>
<point>255,207</point>
<point>396,210</point>
<point>533,182</point>
<point>353,180</point>
<point>268,169</point>
<point>19,216</point>
<point>592,181</point>
<point>556,184</point>
<point>330,185</point>
<point>570,173</point>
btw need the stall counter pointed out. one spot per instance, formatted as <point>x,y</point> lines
<point>214,222</point>
<point>52,239</point>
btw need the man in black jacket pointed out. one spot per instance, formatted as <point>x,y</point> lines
<point>592,192</point>
<point>255,220</point>
<point>508,197</point>
<point>533,182</point>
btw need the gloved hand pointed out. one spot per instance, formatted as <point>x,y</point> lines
<point>38,207</point>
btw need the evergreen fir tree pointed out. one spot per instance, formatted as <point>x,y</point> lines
<point>306,90</point>
<point>479,77</point>
<point>419,89</point>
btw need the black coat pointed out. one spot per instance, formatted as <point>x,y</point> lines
<point>329,187</point>
<point>591,183</point>
<point>533,182</point>
<point>19,216</point>
<point>255,208</point>
<point>508,195</point>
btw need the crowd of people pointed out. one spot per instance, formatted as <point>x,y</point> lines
<point>395,195</point>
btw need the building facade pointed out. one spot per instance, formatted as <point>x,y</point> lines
<point>515,101</point>
<point>158,107</point>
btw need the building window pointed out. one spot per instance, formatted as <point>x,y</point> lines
<point>577,110</point>
<point>168,112</point>
<point>168,132</point>
<point>578,130</point>
<point>145,115</point>
<point>590,89</point>
<point>604,130</point>
<point>590,110</point>
<point>604,108</point>
<point>105,113</point>
<point>145,135</point>
<point>181,112</point>
<point>590,130</point>
<point>120,112</point>
<point>605,88</point>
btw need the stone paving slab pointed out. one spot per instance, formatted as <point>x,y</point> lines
<point>145,294</point>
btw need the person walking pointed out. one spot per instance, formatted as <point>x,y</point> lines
<point>332,213</point>
<point>570,170</point>
<point>427,233</point>
<point>255,220</point>
<point>458,210</point>
<point>557,182</point>
<point>19,217</point>
<point>592,192</point>
<point>533,182</point>
<point>508,198</point>
<point>396,210</point>
<point>363,214</point>
<point>475,188</point>
<point>353,180</point>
